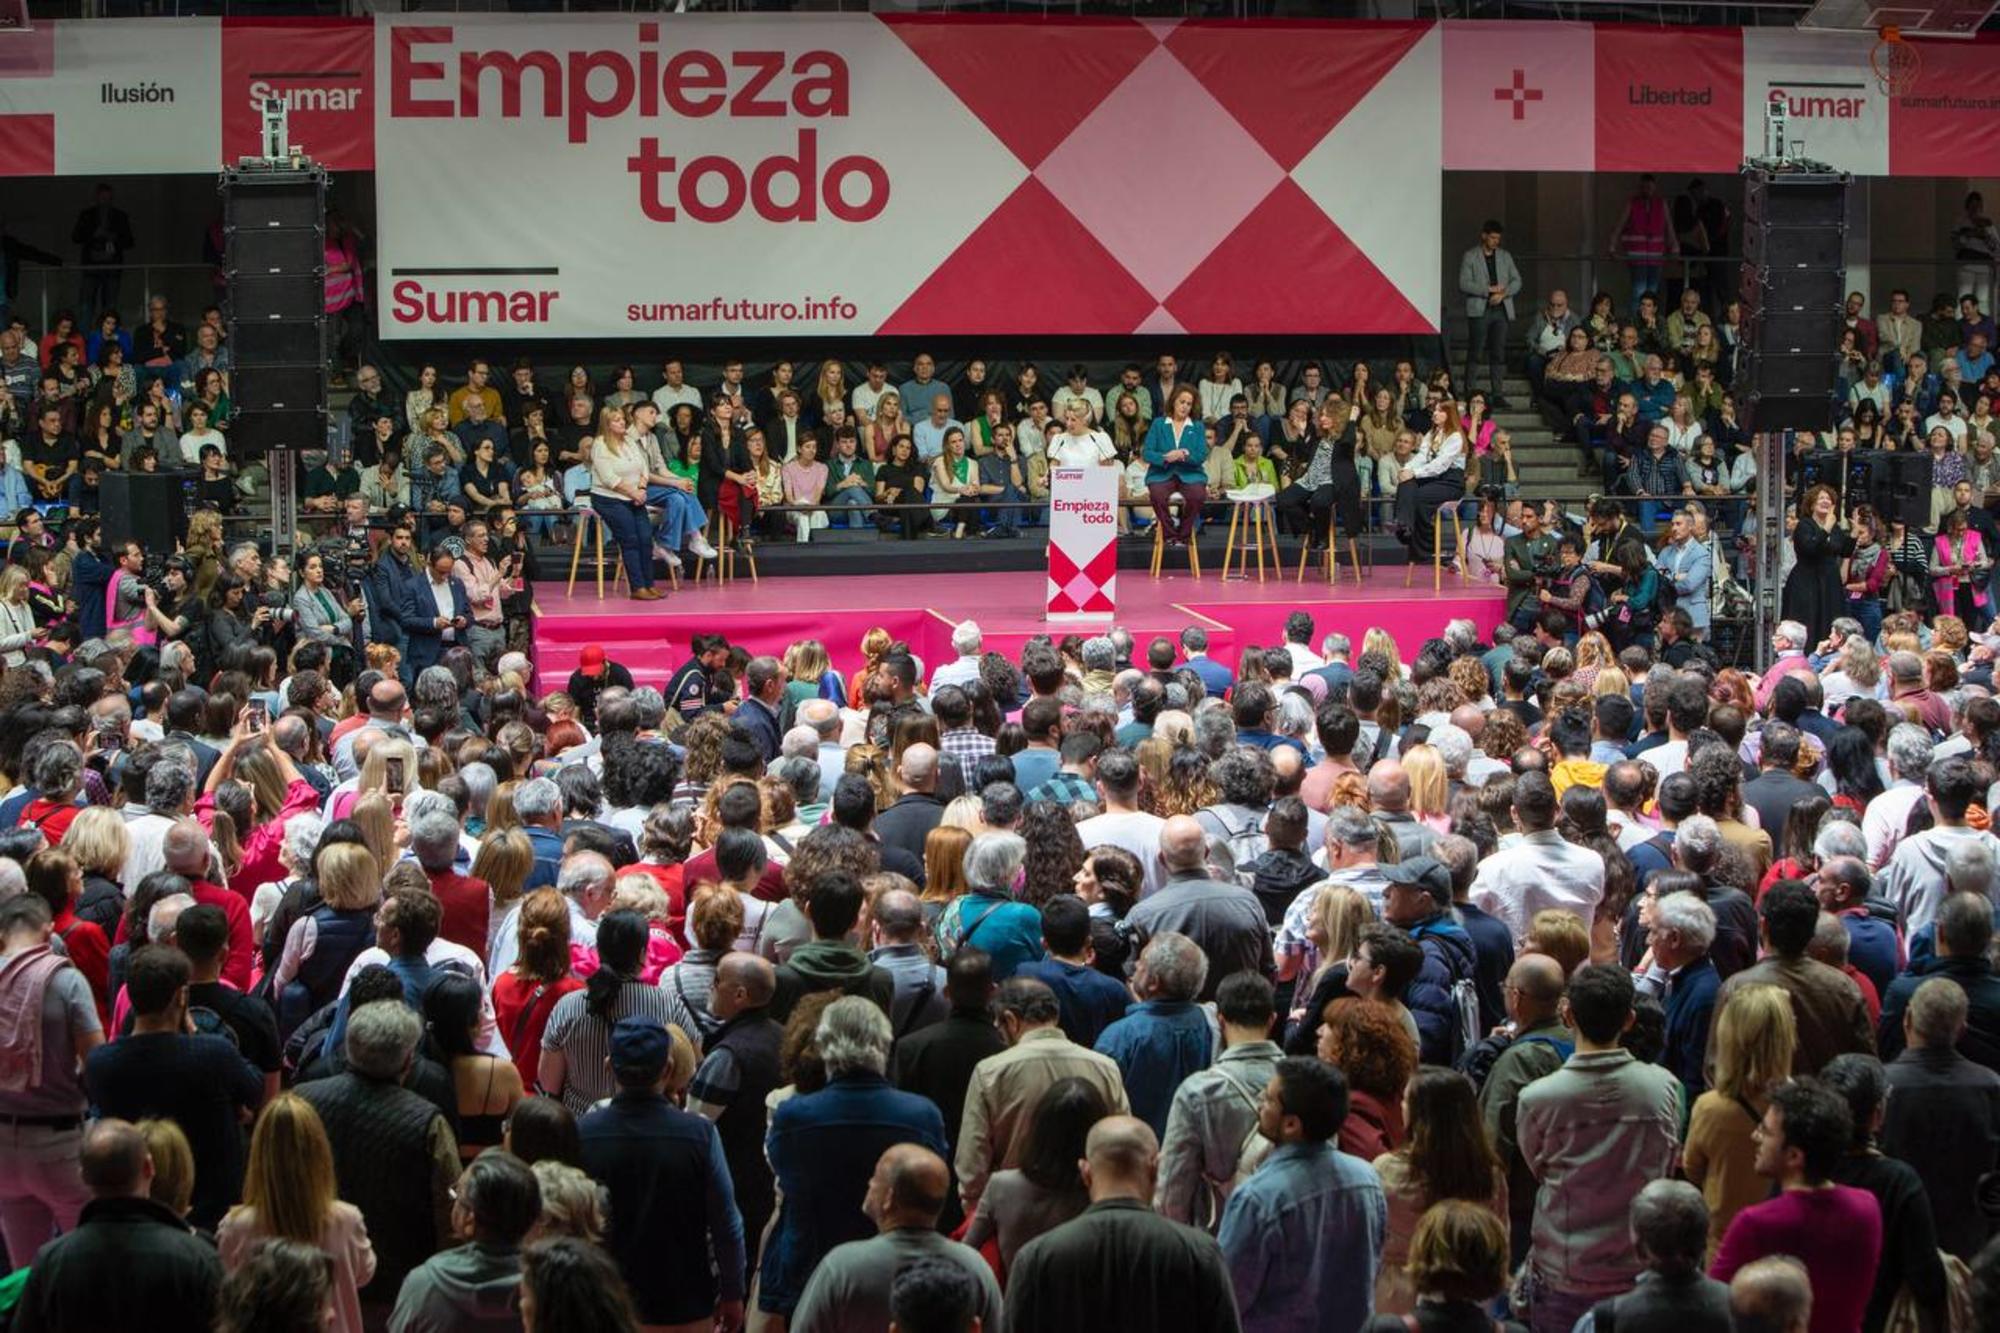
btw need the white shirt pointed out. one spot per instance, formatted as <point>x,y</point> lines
<point>1541,872</point>
<point>1883,822</point>
<point>147,833</point>
<point>1092,447</point>
<point>961,671</point>
<point>441,594</point>
<point>1954,424</point>
<point>670,398</point>
<point>462,959</point>
<point>1134,831</point>
<point>1914,878</point>
<point>1304,659</point>
<point>1668,759</point>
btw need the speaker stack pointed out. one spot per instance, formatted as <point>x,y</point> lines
<point>1794,284</point>
<point>274,228</point>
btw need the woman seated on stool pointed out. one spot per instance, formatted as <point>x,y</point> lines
<point>1176,452</point>
<point>1433,478</point>
<point>1331,478</point>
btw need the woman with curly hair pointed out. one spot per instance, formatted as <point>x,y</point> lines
<point>1109,882</point>
<point>702,739</point>
<point>1370,1044</point>
<point>1448,1156</point>
<point>1379,640</point>
<point>1469,674</point>
<point>1731,687</point>
<point>1185,788</point>
<point>1055,852</point>
<point>1593,654</point>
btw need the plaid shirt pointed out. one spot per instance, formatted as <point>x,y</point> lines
<point>1065,789</point>
<point>968,745</point>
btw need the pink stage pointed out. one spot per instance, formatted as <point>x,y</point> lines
<point>652,639</point>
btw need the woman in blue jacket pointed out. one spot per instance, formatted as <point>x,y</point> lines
<point>1175,452</point>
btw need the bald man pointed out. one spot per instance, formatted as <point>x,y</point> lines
<point>849,1290</point>
<point>167,1277</point>
<point>740,1070</point>
<point>1771,1296</point>
<point>187,852</point>
<point>1389,794</point>
<point>1224,919</point>
<point>918,810</point>
<point>1534,997</point>
<point>1120,1264</point>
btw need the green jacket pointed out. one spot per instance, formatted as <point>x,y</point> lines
<point>1517,566</point>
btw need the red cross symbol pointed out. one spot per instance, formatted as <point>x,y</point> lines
<point>1520,94</point>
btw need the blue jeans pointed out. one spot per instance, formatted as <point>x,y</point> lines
<point>848,508</point>
<point>632,530</point>
<point>680,514</point>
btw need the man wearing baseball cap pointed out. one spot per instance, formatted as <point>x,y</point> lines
<point>1418,900</point>
<point>594,673</point>
<point>656,1160</point>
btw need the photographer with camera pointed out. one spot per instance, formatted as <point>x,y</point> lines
<point>1526,553</point>
<point>172,608</point>
<point>1568,586</point>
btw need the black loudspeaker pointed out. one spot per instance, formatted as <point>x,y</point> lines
<point>274,225</point>
<point>1901,487</point>
<point>1793,283</point>
<point>150,508</point>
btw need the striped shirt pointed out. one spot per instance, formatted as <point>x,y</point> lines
<point>585,1041</point>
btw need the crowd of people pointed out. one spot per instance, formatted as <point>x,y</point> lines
<point>1508,976</point>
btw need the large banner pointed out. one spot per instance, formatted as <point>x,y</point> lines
<point>692,175</point>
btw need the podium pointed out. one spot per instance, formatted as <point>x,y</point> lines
<point>1083,545</point>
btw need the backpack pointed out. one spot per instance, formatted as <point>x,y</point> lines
<point>1464,1003</point>
<point>1245,844</point>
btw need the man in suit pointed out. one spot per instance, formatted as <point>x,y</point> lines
<point>435,612</point>
<point>1489,281</point>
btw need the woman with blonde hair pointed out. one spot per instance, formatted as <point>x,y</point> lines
<point>504,861</point>
<point>1333,920</point>
<point>874,650</point>
<point>963,812</point>
<point>572,1204</point>
<point>810,675</point>
<point>1562,936</point>
<point>290,1193</point>
<point>321,945</point>
<point>1378,640</point>
<point>98,842</point>
<point>618,498</point>
<point>944,869</point>
<point>1430,788</point>
<point>387,757</point>
<point>641,893</point>
<point>1610,680</point>
<point>1755,1038</point>
<point>376,819</point>
<point>173,1164</point>
<point>18,630</point>
<point>500,816</point>
<point>1593,654</point>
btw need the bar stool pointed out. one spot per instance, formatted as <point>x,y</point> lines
<point>1251,515</point>
<point>595,531</point>
<point>724,563</point>
<point>1437,548</point>
<point>1160,552</point>
<point>1330,557</point>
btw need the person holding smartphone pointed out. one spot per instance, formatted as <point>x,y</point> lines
<point>488,584</point>
<point>435,612</point>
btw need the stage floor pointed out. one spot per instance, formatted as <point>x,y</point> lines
<point>651,639</point>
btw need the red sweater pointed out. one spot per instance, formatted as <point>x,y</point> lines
<point>468,909</point>
<point>1835,1232</point>
<point>242,945</point>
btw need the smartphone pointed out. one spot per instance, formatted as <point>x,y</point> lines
<point>260,716</point>
<point>110,740</point>
<point>394,767</point>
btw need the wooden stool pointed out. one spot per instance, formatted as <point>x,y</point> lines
<point>595,532</point>
<point>1330,557</point>
<point>1160,552</point>
<point>1437,547</point>
<point>724,542</point>
<point>1253,517</point>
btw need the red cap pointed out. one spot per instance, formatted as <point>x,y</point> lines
<point>591,661</point>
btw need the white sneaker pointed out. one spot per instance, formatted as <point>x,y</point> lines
<point>699,545</point>
<point>672,561</point>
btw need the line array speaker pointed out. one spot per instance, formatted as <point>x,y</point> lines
<point>274,227</point>
<point>1793,283</point>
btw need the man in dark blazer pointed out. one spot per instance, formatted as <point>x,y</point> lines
<point>432,627</point>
